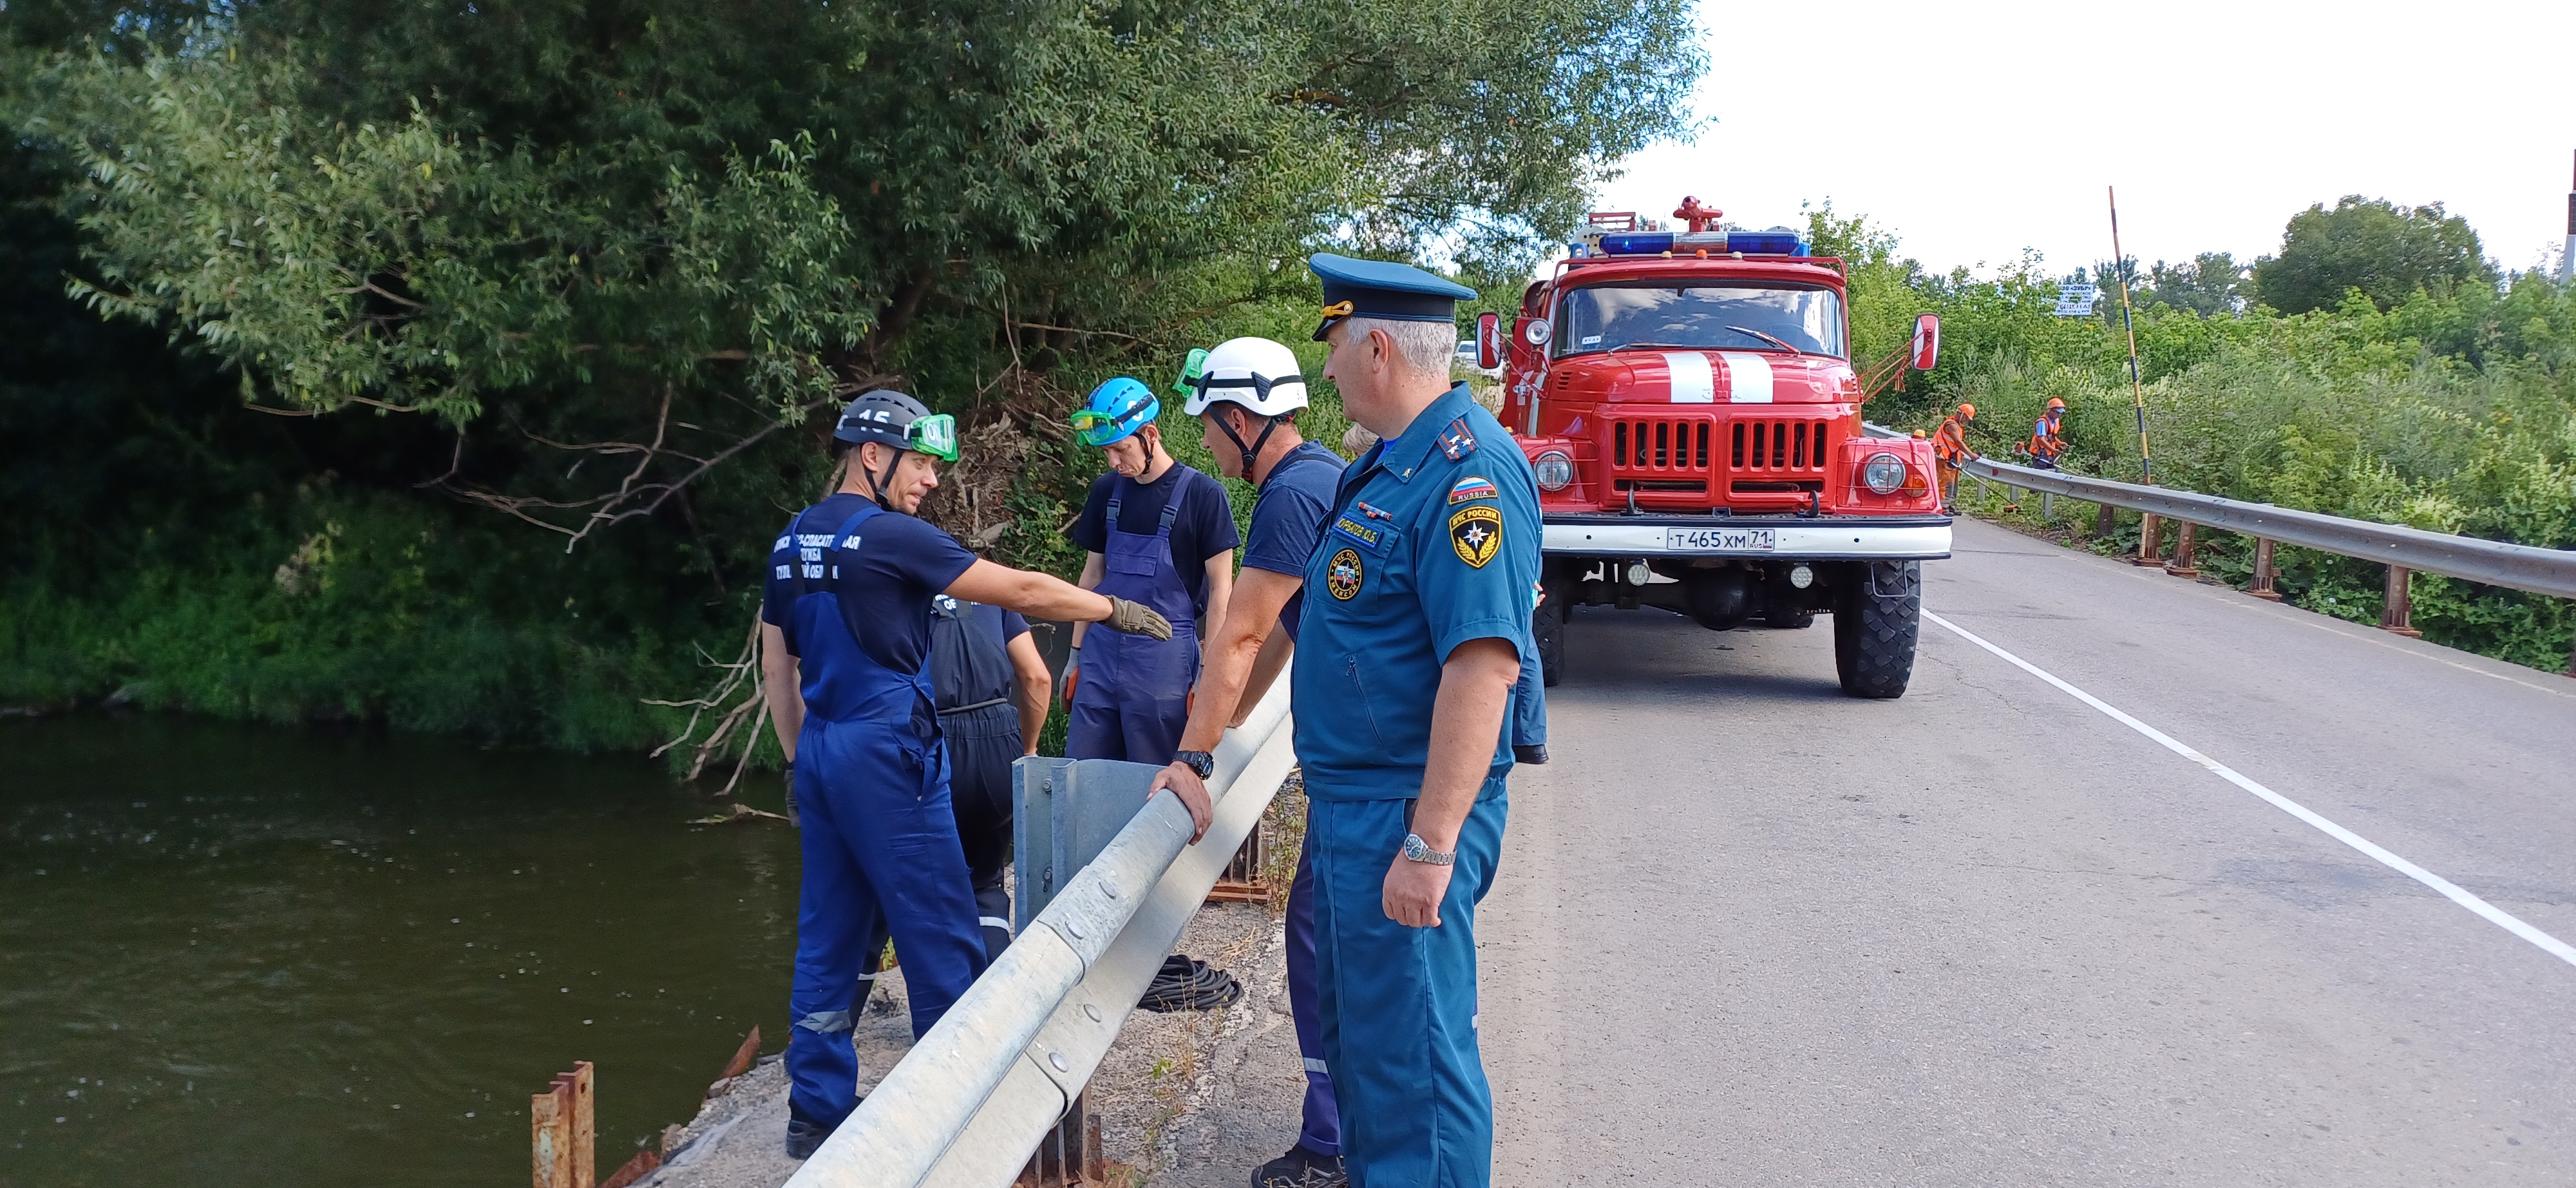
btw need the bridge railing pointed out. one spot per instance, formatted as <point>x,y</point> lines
<point>974,1097</point>
<point>2403,550</point>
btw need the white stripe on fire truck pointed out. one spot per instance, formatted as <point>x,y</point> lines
<point>1693,381</point>
<point>1748,378</point>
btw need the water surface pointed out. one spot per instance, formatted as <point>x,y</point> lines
<point>258,956</point>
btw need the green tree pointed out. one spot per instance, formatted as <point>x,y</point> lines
<point>2386,251</point>
<point>2210,284</point>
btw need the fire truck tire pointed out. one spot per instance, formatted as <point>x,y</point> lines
<point>1876,622</point>
<point>1790,619</point>
<point>1547,626</point>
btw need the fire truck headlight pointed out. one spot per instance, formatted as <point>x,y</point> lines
<point>1553,469</point>
<point>1883,473</point>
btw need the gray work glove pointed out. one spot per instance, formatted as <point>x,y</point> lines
<point>1136,618</point>
<point>792,819</point>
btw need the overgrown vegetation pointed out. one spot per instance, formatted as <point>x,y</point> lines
<point>2426,390</point>
<point>456,366</point>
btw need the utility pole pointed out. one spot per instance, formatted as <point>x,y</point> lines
<point>2137,389</point>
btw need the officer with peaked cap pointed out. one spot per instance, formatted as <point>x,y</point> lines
<point>1410,646</point>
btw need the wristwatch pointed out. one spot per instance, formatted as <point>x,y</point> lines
<point>1418,850</point>
<point>1198,761</point>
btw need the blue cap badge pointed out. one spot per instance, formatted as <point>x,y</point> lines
<point>1379,289</point>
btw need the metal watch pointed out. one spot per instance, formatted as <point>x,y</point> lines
<point>1418,850</point>
<point>1199,761</point>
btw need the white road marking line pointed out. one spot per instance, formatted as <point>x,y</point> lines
<point>2450,890</point>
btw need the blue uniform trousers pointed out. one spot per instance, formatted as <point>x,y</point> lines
<point>880,844</point>
<point>1320,1124</point>
<point>1398,1003</point>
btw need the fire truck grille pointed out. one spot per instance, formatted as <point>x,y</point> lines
<point>1778,447</point>
<point>1686,456</point>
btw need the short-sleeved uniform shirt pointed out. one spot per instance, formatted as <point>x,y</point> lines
<point>885,583</point>
<point>1204,528</point>
<point>1432,541</point>
<point>1288,517</point>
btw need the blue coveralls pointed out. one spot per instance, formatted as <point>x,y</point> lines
<point>1433,542</point>
<point>878,836</point>
<point>1134,696</point>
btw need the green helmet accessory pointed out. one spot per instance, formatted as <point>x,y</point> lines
<point>1115,411</point>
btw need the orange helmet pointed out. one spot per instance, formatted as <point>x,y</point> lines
<point>1969,411</point>
<point>2056,405</point>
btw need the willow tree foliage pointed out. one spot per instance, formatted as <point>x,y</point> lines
<point>656,234</point>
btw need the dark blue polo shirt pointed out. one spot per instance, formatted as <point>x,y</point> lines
<point>1288,516</point>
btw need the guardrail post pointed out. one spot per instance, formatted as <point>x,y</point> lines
<point>2148,549</point>
<point>1069,1155</point>
<point>2181,565</point>
<point>2397,614</point>
<point>2104,522</point>
<point>2262,587</point>
<point>2047,508</point>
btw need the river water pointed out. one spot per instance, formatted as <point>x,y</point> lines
<point>261,956</point>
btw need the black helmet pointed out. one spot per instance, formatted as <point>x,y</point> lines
<point>880,416</point>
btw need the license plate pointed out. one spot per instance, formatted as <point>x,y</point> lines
<point>1719,540</point>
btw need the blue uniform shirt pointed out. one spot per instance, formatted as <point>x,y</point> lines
<point>1288,516</point>
<point>879,584</point>
<point>1433,541</point>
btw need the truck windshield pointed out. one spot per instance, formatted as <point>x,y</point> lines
<point>1732,316</point>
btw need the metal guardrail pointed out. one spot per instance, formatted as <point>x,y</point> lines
<point>2492,562</point>
<point>972,1099</point>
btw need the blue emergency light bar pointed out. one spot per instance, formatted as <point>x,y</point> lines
<point>1656,243</point>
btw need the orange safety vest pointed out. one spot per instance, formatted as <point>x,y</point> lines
<point>2047,439</point>
<point>1950,441</point>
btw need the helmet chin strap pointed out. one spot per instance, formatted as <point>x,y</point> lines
<point>1252,451</point>
<point>877,486</point>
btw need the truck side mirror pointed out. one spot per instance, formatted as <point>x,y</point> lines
<point>1926,350</point>
<point>1489,341</point>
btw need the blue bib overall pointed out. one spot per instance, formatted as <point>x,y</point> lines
<point>1133,698</point>
<point>878,837</point>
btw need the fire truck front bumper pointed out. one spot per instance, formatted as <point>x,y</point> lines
<point>1813,538</point>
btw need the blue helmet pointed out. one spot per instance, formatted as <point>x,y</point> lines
<point>1116,410</point>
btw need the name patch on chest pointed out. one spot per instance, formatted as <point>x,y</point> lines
<point>1476,534</point>
<point>1365,534</point>
<point>1342,575</point>
<point>1472,488</point>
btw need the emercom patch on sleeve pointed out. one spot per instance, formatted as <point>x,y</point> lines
<point>1476,534</point>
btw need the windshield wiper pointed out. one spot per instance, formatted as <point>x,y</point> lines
<point>1650,346</point>
<point>1767,338</point>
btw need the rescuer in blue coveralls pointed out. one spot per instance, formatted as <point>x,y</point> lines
<point>1158,533</point>
<point>1410,645</point>
<point>845,636</point>
<point>1246,394</point>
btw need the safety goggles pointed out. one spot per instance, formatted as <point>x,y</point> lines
<point>1100,428</point>
<point>1260,384</point>
<point>935,435</point>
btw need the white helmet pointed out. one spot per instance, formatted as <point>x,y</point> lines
<point>1257,373</point>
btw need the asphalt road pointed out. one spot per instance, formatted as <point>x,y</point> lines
<point>1749,931</point>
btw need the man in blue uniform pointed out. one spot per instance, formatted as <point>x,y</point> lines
<point>1158,533</point>
<point>1412,641</point>
<point>991,688</point>
<point>845,638</point>
<point>1246,396</point>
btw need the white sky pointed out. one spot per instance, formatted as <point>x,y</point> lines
<point>1975,130</point>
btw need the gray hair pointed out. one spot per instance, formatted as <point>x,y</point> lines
<point>1427,348</point>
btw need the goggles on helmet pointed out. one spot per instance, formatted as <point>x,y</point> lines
<point>1100,428</point>
<point>935,435</point>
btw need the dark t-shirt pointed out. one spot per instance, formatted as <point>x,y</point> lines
<point>885,585</point>
<point>1204,528</point>
<point>1288,517</point>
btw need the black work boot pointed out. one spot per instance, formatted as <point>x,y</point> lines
<point>1301,1168</point>
<point>804,1137</point>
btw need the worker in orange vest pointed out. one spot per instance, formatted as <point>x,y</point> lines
<point>2048,437</point>
<point>1950,448</point>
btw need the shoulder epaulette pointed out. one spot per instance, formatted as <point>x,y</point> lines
<point>1457,441</point>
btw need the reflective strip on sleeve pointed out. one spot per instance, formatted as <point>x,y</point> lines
<point>1317,1066</point>
<point>994,922</point>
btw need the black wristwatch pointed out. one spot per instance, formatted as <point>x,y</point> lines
<point>1198,761</point>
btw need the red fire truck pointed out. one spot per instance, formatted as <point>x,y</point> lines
<point>1688,399</point>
